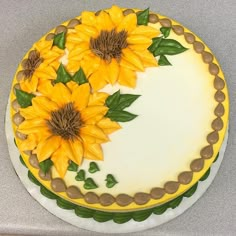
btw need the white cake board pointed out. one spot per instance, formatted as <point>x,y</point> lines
<point>106,227</point>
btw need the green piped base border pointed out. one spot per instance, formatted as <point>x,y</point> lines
<point>117,217</point>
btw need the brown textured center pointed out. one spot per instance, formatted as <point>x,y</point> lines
<point>109,44</point>
<point>65,122</point>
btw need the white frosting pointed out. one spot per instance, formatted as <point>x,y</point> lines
<point>175,114</point>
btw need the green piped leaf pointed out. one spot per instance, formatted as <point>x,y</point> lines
<point>126,100</point>
<point>59,40</point>
<point>65,204</point>
<point>191,191</point>
<point>62,75</point>
<point>84,212</point>
<point>160,209</point>
<point>142,17</point>
<point>79,77</point>
<point>45,192</point>
<point>110,181</point>
<point>101,216</point>
<point>45,165</point>
<point>163,61</point>
<point>155,43</point>
<point>205,176</point>
<point>113,100</point>
<point>93,167</point>
<point>22,161</point>
<point>165,31</point>
<point>121,218</point>
<point>174,203</point>
<point>165,50</point>
<point>171,43</point>
<point>90,184</point>
<point>15,142</point>
<point>120,116</point>
<point>217,156</point>
<point>24,98</point>
<point>142,215</point>
<point>33,179</point>
<point>80,175</point>
<point>72,166</point>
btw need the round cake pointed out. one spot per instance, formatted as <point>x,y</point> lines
<point>119,113</point>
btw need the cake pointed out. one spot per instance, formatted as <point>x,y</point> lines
<point>118,114</point>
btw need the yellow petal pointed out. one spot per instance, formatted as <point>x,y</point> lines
<point>90,63</point>
<point>28,112</point>
<point>138,39</point>
<point>29,85</point>
<point>147,58</point>
<point>29,143</point>
<point>73,38</point>
<point>43,44</point>
<point>138,47</point>
<point>32,129</point>
<point>47,147</point>
<point>94,132</point>
<point>92,111</point>
<point>61,94</point>
<point>88,18</point>
<point>78,50</point>
<point>127,77</point>
<point>60,162</point>
<point>91,31</point>
<point>132,58</point>
<point>45,87</point>
<point>112,71</point>
<point>76,151</point>
<point>40,110</point>
<point>97,99</point>
<point>126,64</point>
<point>93,152</point>
<point>129,23</point>
<point>145,30</point>
<point>46,104</point>
<point>116,15</point>
<point>108,126</point>
<point>45,72</point>
<point>97,81</point>
<point>36,122</point>
<point>71,85</point>
<point>80,96</point>
<point>104,22</point>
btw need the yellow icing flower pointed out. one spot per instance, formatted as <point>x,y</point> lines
<point>67,124</point>
<point>110,47</point>
<point>41,64</point>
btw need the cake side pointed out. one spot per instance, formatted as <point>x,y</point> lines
<point>207,153</point>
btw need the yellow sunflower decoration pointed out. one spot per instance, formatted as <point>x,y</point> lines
<point>110,47</point>
<point>67,124</point>
<point>40,65</point>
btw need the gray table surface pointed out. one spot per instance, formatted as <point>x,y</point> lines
<point>24,22</point>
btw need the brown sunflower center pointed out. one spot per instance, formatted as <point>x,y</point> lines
<point>29,65</point>
<point>65,122</point>
<point>109,44</point>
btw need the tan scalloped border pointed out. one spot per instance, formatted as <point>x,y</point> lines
<point>196,165</point>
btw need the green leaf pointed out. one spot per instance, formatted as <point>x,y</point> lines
<point>45,192</point>
<point>171,43</point>
<point>113,100</point>
<point>93,167</point>
<point>59,40</point>
<point>110,181</point>
<point>126,100</point>
<point>120,116</point>
<point>80,175</point>
<point>101,216</point>
<point>22,161</point>
<point>72,166</point>
<point>155,43</point>
<point>90,184</point>
<point>65,204</point>
<point>163,61</point>
<point>121,218</point>
<point>142,215</point>
<point>160,209</point>
<point>84,212</point>
<point>45,165</point>
<point>142,17</point>
<point>165,31</point>
<point>79,77</point>
<point>62,75</point>
<point>24,98</point>
<point>205,176</point>
<point>15,142</point>
<point>191,191</point>
<point>168,51</point>
<point>174,203</point>
<point>33,179</point>
<point>217,156</point>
